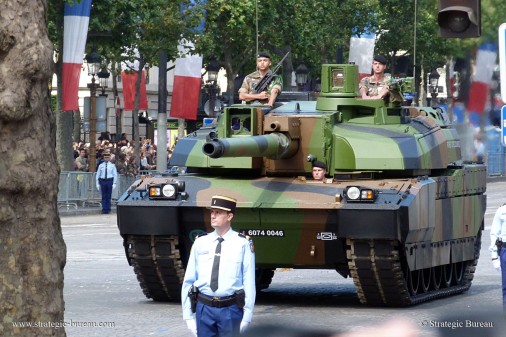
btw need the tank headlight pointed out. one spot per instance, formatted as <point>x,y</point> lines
<point>169,191</point>
<point>360,194</point>
<point>353,193</point>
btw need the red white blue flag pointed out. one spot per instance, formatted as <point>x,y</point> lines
<point>362,52</point>
<point>485,64</point>
<point>185,95</point>
<point>75,30</point>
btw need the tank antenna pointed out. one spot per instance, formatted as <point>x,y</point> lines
<point>413,102</point>
<point>256,23</point>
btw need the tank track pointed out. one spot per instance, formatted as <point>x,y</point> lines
<point>379,273</point>
<point>263,278</point>
<point>157,264</point>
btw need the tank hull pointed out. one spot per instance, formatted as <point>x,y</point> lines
<point>416,225</point>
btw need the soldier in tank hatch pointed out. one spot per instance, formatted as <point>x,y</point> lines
<point>218,292</point>
<point>319,170</point>
<point>376,85</point>
<point>268,96</point>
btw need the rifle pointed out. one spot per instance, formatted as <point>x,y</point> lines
<point>267,79</point>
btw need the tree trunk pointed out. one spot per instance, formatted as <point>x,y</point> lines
<point>76,120</point>
<point>64,133</point>
<point>32,247</point>
<point>135,111</point>
<point>115,69</point>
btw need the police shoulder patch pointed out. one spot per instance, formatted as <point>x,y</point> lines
<point>251,245</point>
<point>242,235</point>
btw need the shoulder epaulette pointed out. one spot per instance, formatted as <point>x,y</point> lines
<point>200,235</point>
<point>245,236</point>
<point>251,245</point>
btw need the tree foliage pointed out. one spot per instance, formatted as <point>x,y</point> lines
<point>314,31</point>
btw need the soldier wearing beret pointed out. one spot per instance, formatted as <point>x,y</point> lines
<point>376,85</point>
<point>218,293</point>
<point>268,97</point>
<point>319,170</point>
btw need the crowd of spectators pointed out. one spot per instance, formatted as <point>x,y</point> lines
<point>122,155</point>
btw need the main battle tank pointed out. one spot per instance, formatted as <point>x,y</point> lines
<point>399,212</point>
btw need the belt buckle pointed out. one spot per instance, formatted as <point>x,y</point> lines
<point>216,301</point>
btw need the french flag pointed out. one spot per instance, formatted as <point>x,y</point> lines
<point>485,63</point>
<point>75,30</point>
<point>185,95</point>
<point>362,52</point>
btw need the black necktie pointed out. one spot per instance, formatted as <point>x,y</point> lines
<point>216,266</point>
<point>105,170</point>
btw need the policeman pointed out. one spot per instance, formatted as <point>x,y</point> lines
<point>220,277</point>
<point>498,246</point>
<point>106,179</point>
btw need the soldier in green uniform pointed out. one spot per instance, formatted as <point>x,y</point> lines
<point>375,86</point>
<point>247,91</point>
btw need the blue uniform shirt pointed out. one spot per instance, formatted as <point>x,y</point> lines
<point>111,172</point>
<point>237,270</point>
<point>498,229</point>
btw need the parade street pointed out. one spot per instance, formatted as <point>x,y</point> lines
<point>103,297</point>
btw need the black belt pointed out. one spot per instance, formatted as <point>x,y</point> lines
<point>108,179</point>
<point>217,302</point>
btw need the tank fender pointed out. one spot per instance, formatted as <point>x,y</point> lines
<point>418,211</point>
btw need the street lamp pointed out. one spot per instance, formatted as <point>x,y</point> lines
<point>433,85</point>
<point>103,78</point>
<point>93,61</point>
<point>301,74</point>
<point>212,69</point>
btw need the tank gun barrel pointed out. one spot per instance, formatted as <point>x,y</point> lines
<point>274,145</point>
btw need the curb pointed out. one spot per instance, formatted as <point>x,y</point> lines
<point>83,211</point>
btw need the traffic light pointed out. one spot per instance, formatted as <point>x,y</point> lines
<point>459,18</point>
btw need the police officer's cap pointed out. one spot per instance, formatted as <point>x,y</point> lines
<point>381,59</point>
<point>264,54</point>
<point>224,203</point>
<point>319,164</point>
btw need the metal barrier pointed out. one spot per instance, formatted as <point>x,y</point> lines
<point>496,163</point>
<point>79,188</point>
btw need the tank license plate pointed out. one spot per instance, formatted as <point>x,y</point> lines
<point>264,232</point>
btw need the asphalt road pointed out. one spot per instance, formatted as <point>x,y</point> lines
<point>103,298</point>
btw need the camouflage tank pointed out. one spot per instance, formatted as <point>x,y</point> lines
<point>399,212</point>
